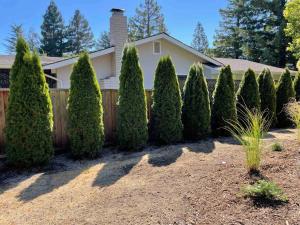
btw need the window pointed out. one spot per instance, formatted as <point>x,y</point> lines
<point>156,47</point>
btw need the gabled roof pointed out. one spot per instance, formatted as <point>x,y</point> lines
<point>242,65</point>
<point>6,61</point>
<point>165,36</point>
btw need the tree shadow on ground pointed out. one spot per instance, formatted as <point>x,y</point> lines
<point>267,203</point>
<point>282,131</point>
<point>206,146</point>
<point>227,140</point>
<point>115,169</point>
<point>268,136</point>
<point>164,156</point>
<point>55,176</point>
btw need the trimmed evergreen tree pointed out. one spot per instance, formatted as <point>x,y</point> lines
<point>267,92</point>
<point>196,106</point>
<point>132,130</point>
<point>223,103</point>
<point>29,120</point>
<point>297,87</point>
<point>248,94</point>
<point>284,93</point>
<point>85,124</point>
<point>166,125</point>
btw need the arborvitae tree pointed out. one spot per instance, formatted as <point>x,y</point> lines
<point>223,103</point>
<point>267,93</point>
<point>29,116</point>
<point>85,124</point>
<point>297,87</point>
<point>165,125</point>
<point>284,93</point>
<point>79,34</point>
<point>196,106</point>
<point>200,42</point>
<point>53,32</point>
<point>132,131</point>
<point>248,94</point>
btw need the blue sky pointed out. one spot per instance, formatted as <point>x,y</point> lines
<point>181,16</point>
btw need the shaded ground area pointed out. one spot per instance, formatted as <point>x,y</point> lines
<point>196,183</point>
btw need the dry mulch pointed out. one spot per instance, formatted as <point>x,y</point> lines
<point>197,183</point>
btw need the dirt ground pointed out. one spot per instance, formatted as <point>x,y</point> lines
<point>196,183</point>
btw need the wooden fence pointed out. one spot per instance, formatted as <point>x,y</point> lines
<point>59,101</point>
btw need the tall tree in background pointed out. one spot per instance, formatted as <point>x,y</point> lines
<point>228,39</point>
<point>148,21</point>
<point>53,32</point>
<point>79,34</point>
<point>11,42</point>
<point>103,41</point>
<point>200,42</point>
<point>292,15</point>
<point>33,40</point>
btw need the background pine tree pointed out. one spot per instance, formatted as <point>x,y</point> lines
<point>104,41</point>
<point>85,124</point>
<point>267,92</point>
<point>29,116</point>
<point>248,94</point>
<point>200,42</point>
<point>196,105</point>
<point>79,34</point>
<point>223,103</point>
<point>284,93</point>
<point>53,32</point>
<point>297,87</point>
<point>132,128</point>
<point>165,125</point>
<point>16,31</point>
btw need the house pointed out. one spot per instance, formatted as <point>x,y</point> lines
<point>6,62</point>
<point>107,62</point>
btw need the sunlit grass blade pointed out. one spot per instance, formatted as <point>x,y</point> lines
<point>293,111</point>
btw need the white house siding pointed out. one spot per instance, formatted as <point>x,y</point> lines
<point>181,58</point>
<point>102,66</point>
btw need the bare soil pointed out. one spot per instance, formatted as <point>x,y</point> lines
<point>194,183</point>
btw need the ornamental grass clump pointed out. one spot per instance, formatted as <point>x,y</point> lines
<point>249,132</point>
<point>264,190</point>
<point>293,112</point>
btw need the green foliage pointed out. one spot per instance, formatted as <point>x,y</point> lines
<point>29,120</point>
<point>284,93</point>
<point>166,126</point>
<point>132,110</point>
<point>196,106</point>
<point>293,111</point>
<point>104,41</point>
<point>292,14</point>
<point>147,21</point>
<point>277,147</point>
<point>223,103</point>
<point>297,86</point>
<point>85,123</point>
<point>267,92</point>
<point>16,31</point>
<point>265,190</point>
<point>249,132</point>
<point>200,42</point>
<point>53,32</point>
<point>248,93</point>
<point>79,34</point>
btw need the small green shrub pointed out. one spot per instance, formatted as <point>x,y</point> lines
<point>277,147</point>
<point>29,120</point>
<point>166,125</point>
<point>284,93</point>
<point>248,94</point>
<point>297,87</point>
<point>293,111</point>
<point>196,106</point>
<point>267,91</point>
<point>223,103</point>
<point>249,133</point>
<point>132,130</point>
<point>264,190</point>
<point>85,122</point>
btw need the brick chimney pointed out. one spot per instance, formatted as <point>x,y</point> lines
<point>118,36</point>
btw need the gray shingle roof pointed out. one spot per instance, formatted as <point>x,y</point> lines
<point>6,61</point>
<point>239,65</point>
